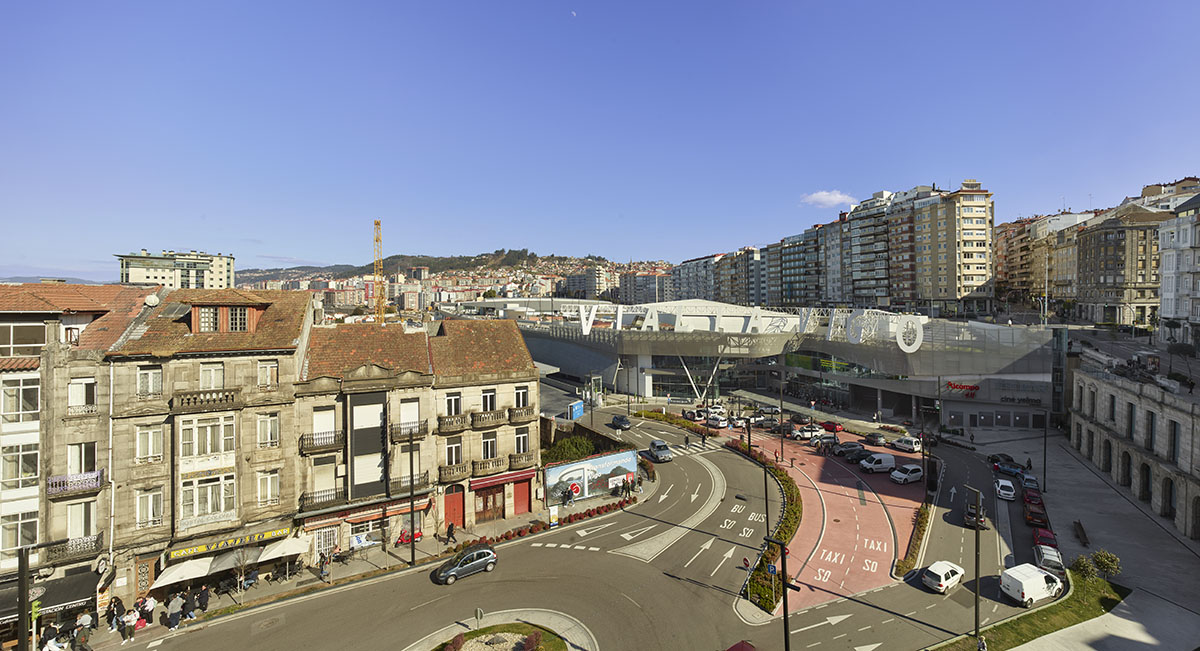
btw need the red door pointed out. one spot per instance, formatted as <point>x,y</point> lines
<point>454,506</point>
<point>521,497</point>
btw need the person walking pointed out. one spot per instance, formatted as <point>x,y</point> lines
<point>202,598</point>
<point>189,604</point>
<point>450,533</point>
<point>174,611</point>
<point>130,625</point>
<point>83,632</point>
<point>687,441</point>
<point>639,483</point>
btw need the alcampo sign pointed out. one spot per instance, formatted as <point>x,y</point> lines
<point>229,543</point>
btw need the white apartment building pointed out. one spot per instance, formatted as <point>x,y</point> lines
<point>869,251</point>
<point>1179,253</point>
<point>178,269</point>
<point>696,278</point>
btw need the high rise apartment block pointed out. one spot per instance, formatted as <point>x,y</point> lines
<point>178,270</point>
<point>869,251</point>
<point>1118,266</point>
<point>1179,248</point>
<point>696,278</point>
<point>645,287</point>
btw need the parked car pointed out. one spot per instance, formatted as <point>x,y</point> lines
<point>1006,468</point>
<point>824,438</point>
<point>770,422</point>
<point>1042,536</point>
<point>699,416</point>
<point>1035,515</point>
<point>1029,481</point>
<point>878,462</point>
<point>659,451</point>
<point>476,558</point>
<point>801,419</point>
<point>1005,490</point>
<point>907,473</point>
<point>769,410</point>
<point>973,519</point>
<point>808,431</point>
<point>716,410</point>
<point>858,455</point>
<point>875,438</point>
<point>907,443</point>
<point>942,576</point>
<point>1032,495</point>
<point>621,422</point>
<point>1050,560</point>
<point>737,422</point>
<point>719,422</point>
<point>849,446</point>
<point>1000,456</point>
<point>1027,584</point>
<point>831,426</point>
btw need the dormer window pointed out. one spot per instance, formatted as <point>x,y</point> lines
<point>237,319</point>
<point>208,319</point>
<point>214,318</point>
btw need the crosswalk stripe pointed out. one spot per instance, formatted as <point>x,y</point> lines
<point>535,544</point>
<point>551,545</point>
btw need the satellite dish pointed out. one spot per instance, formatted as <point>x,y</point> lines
<point>152,300</point>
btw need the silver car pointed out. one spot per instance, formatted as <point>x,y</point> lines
<point>659,451</point>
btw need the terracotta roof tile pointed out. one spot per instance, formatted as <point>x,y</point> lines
<point>467,346</point>
<point>337,350</point>
<point>19,363</point>
<point>114,305</point>
<point>218,297</point>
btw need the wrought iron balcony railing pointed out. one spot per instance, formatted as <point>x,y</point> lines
<point>312,442</point>
<point>78,483</point>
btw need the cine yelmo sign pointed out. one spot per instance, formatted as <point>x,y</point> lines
<point>593,477</point>
<point>229,543</point>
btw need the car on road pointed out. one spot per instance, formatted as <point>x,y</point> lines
<point>769,410</point>
<point>849,446</point>
<point>858,455</point>
<point>831,426</point>
<point>801,419</point>
<point>942,576</point>
<point>1000,456</point>
<point>770,422</point>
<point>1035,515</point>
<point>1029,481</point>
<point>875,438</point>
<point>476,558</point>
<point>907,473</point>
<point>659,451</point>
<point>1006,468</point>
<point>973,519</point>
<point>737,422</point>
<point>1005,490</point>
<point>1032,496</point>
<point>808,431</point>
<point>1042,536</point>
<point>907,443</point>
<point>621,422</point>
<point>718,422</point>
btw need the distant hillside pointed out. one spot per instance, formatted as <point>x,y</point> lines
<point>73,281</point>
<point>401,263</point>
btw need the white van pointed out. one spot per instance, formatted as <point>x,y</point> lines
<point>1028,583</point>
<point>878,462</point>
<point>1048,558</point>
<point>908,444</point>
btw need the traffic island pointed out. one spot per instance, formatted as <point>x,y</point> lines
<point>558,631</point>
<point>505,637</point>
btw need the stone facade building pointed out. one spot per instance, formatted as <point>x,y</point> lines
<point>1118,266</point>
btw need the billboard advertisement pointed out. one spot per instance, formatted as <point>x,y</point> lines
<point>575,410</point>
<point>592,477</point>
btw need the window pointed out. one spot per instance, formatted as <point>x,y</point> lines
<point>268,373</point>
<point>149,508</point>
<point>208,319</point>
<point>19,466</point>
<point>1130,410</point>
<point>522,440</point>
<point>268,430</point>
<point>81,519</point>
<point>1151,429</point>
<point>522,397</point>
<point>489,445</point>
<point>453,450</point>
<point>81,458</point>
<point>149,382</point>
<point>489,400</point>
<point>81,396</point>
<point>149,445</point>
<point>1092,402</point>
<point>212,376</point>
<point>1173,442</point>
<point>208,495</point>
<point>268,488</point>
<point>1112,408</point>
<point>361,528</point>
<point>453,404</point>
<point>17,530</point>
<point>202,436</point>
<point>237,319</point>
<point>19,400</point>
<point>17,340</point>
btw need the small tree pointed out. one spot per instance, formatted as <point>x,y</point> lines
<point>1082,566</point>
<point>1106,563</point>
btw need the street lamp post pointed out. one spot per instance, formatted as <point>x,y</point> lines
<point>978,526</point>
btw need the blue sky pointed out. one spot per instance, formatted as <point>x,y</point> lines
<point>649,130</point>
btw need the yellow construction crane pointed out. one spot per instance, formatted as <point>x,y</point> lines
<point>380,290</point>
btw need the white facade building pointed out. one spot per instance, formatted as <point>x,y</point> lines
<point>178,270</point>
<point>696,278</point>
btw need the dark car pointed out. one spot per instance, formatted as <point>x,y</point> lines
<point>831,426</point>
<point>1001,457</point>
<point>621,422</point>
<point>847,447</point>
<point>973,519</point>
<point>801,419</point>
<point>1036,516</point>
<point>875,438</point>
<point>1032,496</point>
<point>1006,468</point>
<point>1044,537</point>
<point>858,455</point>
<point>476,558</point>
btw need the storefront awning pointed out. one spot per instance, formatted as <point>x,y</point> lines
<point>194,568</point>
<point>504,478</point>
<point>235,559</point>
<point>287,547</point>
<point>56,594</point>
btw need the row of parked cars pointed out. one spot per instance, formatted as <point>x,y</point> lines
<point>1023,483</point>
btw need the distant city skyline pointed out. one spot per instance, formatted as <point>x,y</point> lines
<point>277,132</point>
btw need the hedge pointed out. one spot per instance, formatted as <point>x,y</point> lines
<point>920,523</point>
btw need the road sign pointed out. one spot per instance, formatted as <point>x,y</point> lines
<point>771,568</point>
<point>745,562</point>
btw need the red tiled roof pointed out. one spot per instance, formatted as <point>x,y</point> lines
<point>19,363</point>
<point>467,346</point>
<point>116,306</point>
<point>278,328</point>
<point>335,351</point>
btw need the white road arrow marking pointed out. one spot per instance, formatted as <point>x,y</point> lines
<point>834,619</point>
<point>728,555</point>
<point>703,547</point>
<point>591,530</point>
<point>665,493</point>
<point>868,647</point>
<point>952,495</point>
<point>634,534</point>
<point>696,494</point>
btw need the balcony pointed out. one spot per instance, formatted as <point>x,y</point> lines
<point>320,499</point>
<point>490,418</point>
<point>416,483</point>
<point>522,414</point>
<point>207,518</point>
<point>489,466</point>
<point>314,442</point>
<point>522,460</point>
<point>77,484</point>
<point>189,402</point>
<point>456,472</point>
<point>75,549</point>
<point>452,424</point>
<point>401,431</point>
<point>81,410</point>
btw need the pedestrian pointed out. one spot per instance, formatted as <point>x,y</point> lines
<point>1029,463</point>
<point>189,604</point>
<point>202,598</point>
<point>687,441</point>
<point>323,564</point>
<point>147,609</point>
<point>972,437</point>
<point>704,440</point>
<point>83,632</point>
<point>130,625</point>
<point>174,611</point>
<point>639,484</point>
<point>450,531</point>
<point>116,610</point>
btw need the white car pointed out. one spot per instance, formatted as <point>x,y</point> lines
<point>907,473</point>
<point>718,422</point>
<point>769,410</point>
<point>907,443</point>
<point>807,432</point>
<point>942,576</point>
<point>1005,490</point>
